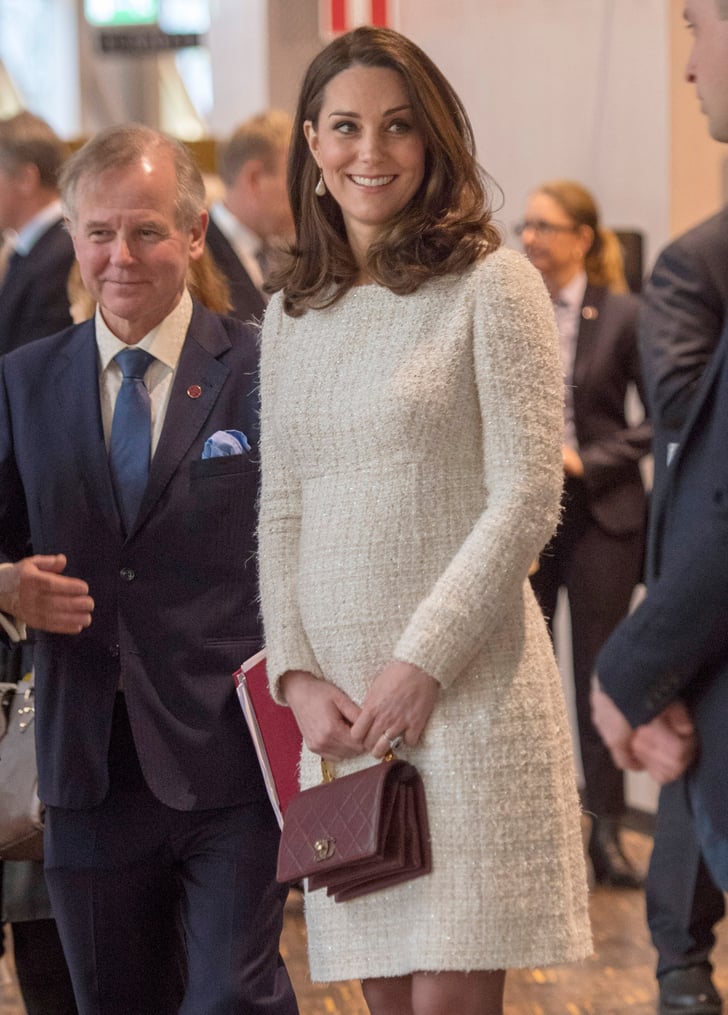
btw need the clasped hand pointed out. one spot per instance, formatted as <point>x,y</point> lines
<point>665,747</point>
<point>36,592</point>
<point>399,703</point>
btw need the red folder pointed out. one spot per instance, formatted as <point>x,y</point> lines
<point>274,732</point>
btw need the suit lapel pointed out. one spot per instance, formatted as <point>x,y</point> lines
<point>591,308</point>
<point>77,391</point>
<point>197,384</point>
<point>711,396</point>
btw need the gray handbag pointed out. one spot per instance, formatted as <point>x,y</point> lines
<point>21,812</point>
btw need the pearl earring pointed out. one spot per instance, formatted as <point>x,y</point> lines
<point>320,188</point>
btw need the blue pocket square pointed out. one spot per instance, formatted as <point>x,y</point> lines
<point>225,442</point>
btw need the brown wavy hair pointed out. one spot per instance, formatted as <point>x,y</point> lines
<point>604,261</point>
<point>444,228</point>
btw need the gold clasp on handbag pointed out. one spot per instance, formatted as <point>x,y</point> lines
<point>327,772</point>
<point>324,848</point>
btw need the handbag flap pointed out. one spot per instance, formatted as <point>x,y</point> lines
<point>338,823</point>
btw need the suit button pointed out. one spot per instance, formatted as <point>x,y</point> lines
<point>128,574</point>
<point>114,651</point>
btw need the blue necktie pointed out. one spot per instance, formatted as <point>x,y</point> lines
<point>131,434</point>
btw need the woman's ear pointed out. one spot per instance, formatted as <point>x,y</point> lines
<point>585,236</point>
<point>311,136</point>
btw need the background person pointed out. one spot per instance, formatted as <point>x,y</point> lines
<point>597,552</point>
<point>32,292</point>
<point>143,594</point>
<point>35,259</point>
<point>411,472</point>
<point>254,215</point>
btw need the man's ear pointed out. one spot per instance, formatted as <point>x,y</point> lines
<point>197,236</point>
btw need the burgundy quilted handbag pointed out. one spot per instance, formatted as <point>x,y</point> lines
<point>359,833</point>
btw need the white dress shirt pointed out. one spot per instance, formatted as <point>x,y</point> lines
<point>28,236</point>
<point>244,241</point>
<point>567,309</point>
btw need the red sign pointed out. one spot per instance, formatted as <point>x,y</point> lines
<point>338,16</point>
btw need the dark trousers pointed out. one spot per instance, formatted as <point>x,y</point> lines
<point>599,573</point>
<point>163,911</point>
<point>41,968</point>
<point>683,902</point>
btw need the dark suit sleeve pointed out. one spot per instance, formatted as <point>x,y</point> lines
<point>678,633</point>
<point>14,531</point>
<point>46,308</point>
<point>680,322</point>
<point>677,638</point>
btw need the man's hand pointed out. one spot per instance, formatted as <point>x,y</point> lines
<point>36,592</point>
<point>573,465</point>
<point>614,730</point>
<point>667,746</point>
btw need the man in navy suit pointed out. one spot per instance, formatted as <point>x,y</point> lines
<point>160,842</point>
<point>254,214</point>
<point>673,651</point>
<point>33,300</point>
<point>685,305</point>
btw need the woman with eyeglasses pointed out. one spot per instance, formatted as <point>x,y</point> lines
<point>597,553</point>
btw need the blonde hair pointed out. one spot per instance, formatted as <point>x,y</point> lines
<point>604,262</point>
<point>208,284</point>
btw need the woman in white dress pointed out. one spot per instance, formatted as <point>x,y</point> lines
<point>411,450</point>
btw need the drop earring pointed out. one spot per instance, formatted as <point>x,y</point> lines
<point>320,188</point>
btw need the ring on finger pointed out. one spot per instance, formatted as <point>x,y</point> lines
<point>394,742</point>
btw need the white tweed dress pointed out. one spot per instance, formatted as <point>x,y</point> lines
<point>411,450</point>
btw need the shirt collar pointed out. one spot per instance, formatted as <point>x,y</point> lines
<point>32,231</point>
<point>572,295</point>
<point>244,240</point>
<point>164,342</point>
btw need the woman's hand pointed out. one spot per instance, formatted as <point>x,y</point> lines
<point>324,715</point>
<point>398,704</point>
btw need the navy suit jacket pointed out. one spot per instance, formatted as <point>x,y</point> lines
<point>606,362</point>
<point>33,299</point>
<point>675,644</point>
<point>684,306</point>
<point>176,601</point>
<point>248,303</point>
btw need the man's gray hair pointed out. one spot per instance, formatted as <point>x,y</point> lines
<point>124,145</point>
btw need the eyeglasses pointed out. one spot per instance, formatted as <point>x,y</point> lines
<point>541,228</point>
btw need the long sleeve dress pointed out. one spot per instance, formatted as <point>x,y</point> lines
<point>411,451</point>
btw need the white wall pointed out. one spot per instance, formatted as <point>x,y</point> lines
<point>564,88</point>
